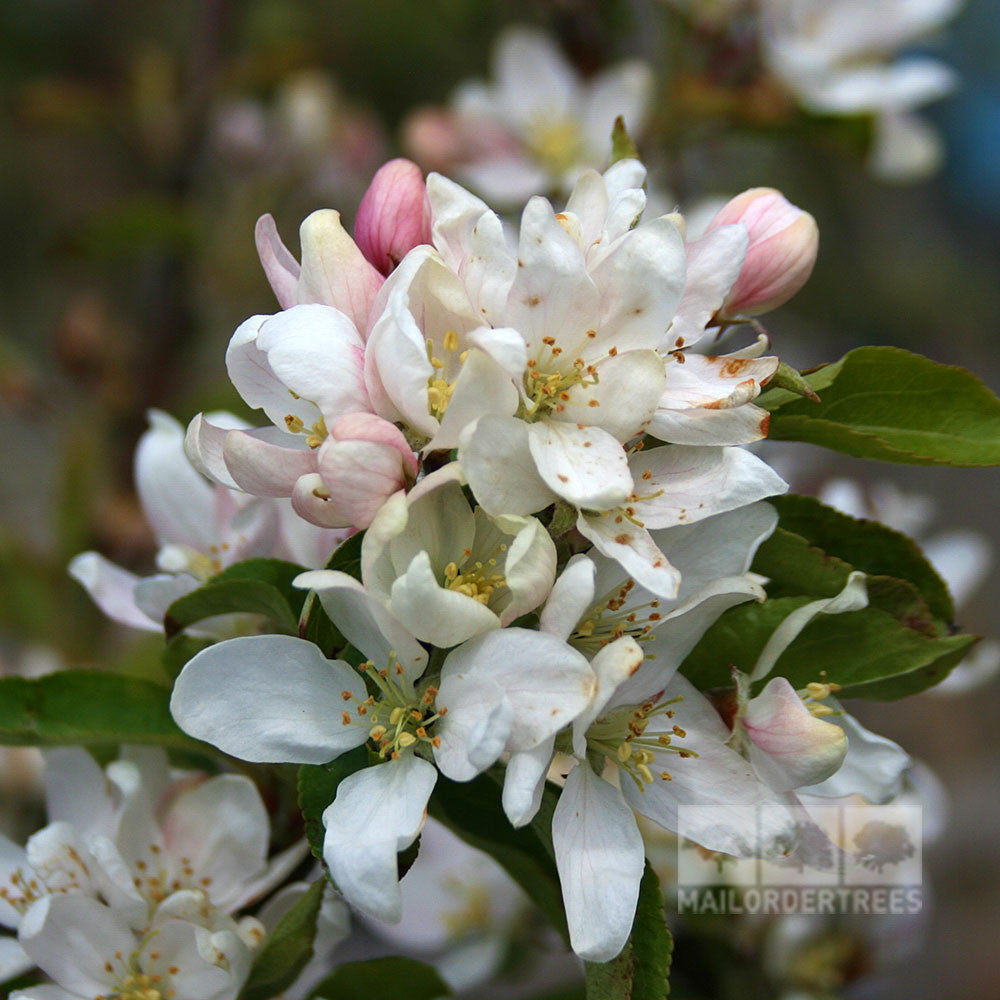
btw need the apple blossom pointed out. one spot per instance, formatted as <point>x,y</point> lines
<point>537,125</point>
<point>393,215</point>
<point>783,242</point>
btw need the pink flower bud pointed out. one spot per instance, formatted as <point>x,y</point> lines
<point>393,216</point>
<point>782,251</point>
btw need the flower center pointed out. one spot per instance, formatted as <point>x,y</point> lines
<point>612,617</point>
<point>439,386</point>
<point>621,737</point>
<point>475,578</point>
<point>160,876</point>
<point>400,717</point>
<point>557,144</point>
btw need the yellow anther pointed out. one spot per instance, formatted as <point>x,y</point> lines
<point>395,715</point>
<point>376,733</point>
<point>451,571</point>
<point>645,773</point>
<point>450,342</point>
<point>818,690</point>
<point>406,739</point>
<point>294,424</point>
<point>820,710</point>
<point>624,751</point>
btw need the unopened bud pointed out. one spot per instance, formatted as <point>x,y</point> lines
<point>393,217</point>
<point>782,251</point>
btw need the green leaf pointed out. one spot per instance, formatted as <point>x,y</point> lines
<point>622,145</point>
<point>393,976</point>
<point>815,547</point>
<point>231,597</point>
<point>179,650</point>
<point>642,970</point>
<point>317,788</point>
<point>869,652</point>
<point>473,810</point>
<point>88,707</point>
<point>888,404</point>
<point>287,949</point>
<point>347,557</point>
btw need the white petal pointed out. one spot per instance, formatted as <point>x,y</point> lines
<point>434,613</point>
<point>70,937</point>
<point>14,961</point>
<point>600,857</point>
<point>476,728</point>
<point>623,90</point>
<point>195,962</point>
<point>586,466</point>
<point>364,621</point>
<point>271,699</point>
<point>546,682</point>
<point>699,482</point>
<point>178,503</point>
<point>633,549</point>
<point>500,468</point>
<point>533,76</point>
<point>112,589</point>
<point>529,569</point>
<point>524,782</point>
<point>203,445</point>
<point>377,812</point>
<point>572,594</point>
<point>612,667</point>
<point>76,790</point>
<point>264,468</point>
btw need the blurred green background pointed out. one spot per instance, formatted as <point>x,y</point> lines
<point>142,141</point>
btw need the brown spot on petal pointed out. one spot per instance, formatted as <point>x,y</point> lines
<point>623,539</point>
<point>562,478</point>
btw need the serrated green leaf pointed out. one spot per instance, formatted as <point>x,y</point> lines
<point>642,970</point>
<point>318,787</point>
<point>392,976</point>
<point>87,707</point>
<point>622,145</point>
<point>287,949</point>
<point>868,652</point>
<point>473,811</point>
<point>832,543</point>
<point>888,404</point>
<point>236,596</point>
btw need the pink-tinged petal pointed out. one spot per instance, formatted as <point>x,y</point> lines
<point>713,263</point>
<point>281,268</point>
<point>372,428</point>
<point>364,621</point>
<point>393,216</point>
<point>358,477</point>
<point>334,271</point>
<point>790,746</point>
<point>624,400</point>
<point>478,725</point>
<point>500,469</point>
<point>203,445</point>
<point>600,857</point>
<point>784,241</point>
<point>269,699</point>
<point>572,594</point>
<point>586,466</point>
<point>524,782</point>
<point>264,469</point>
<point>633,549</point>
<point>377,813</point>
<point>311,501</point>
<point>685,484</point>
<point>317,353</point>
<point>112,590</point>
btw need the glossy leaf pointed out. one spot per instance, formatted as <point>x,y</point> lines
<point>392,976</point>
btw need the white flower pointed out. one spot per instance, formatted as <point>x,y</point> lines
<point>836,57</point>
<point>201,528</point>
<point>538,124</point>
<point>87,951</point>
<point>448,573</point>
<point>509,688</point>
